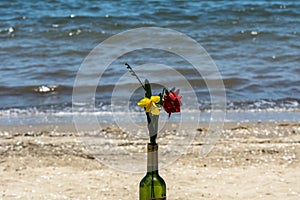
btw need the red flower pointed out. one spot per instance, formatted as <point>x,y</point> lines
<point>172,102</point>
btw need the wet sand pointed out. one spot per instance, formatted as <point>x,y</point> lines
<point>249,161</point>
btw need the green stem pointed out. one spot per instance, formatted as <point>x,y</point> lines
<point>152,127</point>
<point>134,74</point>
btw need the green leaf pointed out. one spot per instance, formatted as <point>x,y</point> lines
<point>148,93</point>
<point>167,91</point>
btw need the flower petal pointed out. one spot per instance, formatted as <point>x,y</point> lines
<point>148,107</point>
<point>155,99</point>
<point>155,110</point>
<point>173,96</point>
<point>144,102</point>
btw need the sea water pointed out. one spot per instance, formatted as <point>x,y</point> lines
<point>254,44</point>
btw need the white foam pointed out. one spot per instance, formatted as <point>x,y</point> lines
<point>11,29</point>
<point>254,33</point>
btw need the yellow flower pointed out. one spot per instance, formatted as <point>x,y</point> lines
<point>150,104</point>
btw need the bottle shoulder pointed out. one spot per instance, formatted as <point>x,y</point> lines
<point>157,180</point>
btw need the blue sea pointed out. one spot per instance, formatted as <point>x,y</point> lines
<point>254,44</point>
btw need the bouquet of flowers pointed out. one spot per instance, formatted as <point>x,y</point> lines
<point>169,100</point>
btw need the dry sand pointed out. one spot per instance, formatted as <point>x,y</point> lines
<point>249,161</point>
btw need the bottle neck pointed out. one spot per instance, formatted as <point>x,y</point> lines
<point>152,158</point>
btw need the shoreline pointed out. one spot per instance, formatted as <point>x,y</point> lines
<point>249,161</point>
<point>229,116</point>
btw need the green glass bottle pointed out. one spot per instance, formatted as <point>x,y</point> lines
<point>152,186</point>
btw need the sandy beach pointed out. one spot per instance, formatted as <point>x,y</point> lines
<point>249,161</point>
